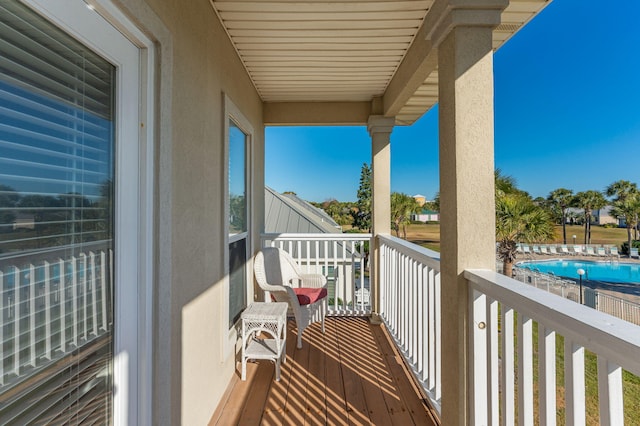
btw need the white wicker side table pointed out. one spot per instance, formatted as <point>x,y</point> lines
<point>270,318</point>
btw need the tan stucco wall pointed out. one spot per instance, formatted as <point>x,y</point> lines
<point>196,65</point>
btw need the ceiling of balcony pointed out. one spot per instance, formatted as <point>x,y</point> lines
<point>342,51</point>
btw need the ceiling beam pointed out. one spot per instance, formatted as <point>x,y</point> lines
<point>316,113</point>
<point>421,59</point>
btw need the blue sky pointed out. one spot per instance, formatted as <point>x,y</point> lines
<point>567,114</point>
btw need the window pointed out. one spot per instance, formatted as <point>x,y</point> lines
<point>68,137</point>
<point>237,201</point>
<point>238,148</point>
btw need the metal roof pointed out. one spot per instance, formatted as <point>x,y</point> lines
<point>287,213</point>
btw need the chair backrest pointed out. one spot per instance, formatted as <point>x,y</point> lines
<point>274,267</point>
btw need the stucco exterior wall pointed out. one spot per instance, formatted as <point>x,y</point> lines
<point>196,65</point>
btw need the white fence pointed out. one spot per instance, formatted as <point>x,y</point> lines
<point>49,309</point>
<point>504,307</point>
<point>342,258</point>
<point>410,308</point>
<point>603,302</point>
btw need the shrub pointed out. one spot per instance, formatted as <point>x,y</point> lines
<point>624,247</point>
<point>610,225</point>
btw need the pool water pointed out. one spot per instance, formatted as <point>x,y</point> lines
<point>598,271</point>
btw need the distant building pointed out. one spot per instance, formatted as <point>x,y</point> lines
<point>598,217</point>
<point>287,213</point>
<point>421,199</point>
<point>603,216</point>
<point>24,221</point>
<point>426,215</point>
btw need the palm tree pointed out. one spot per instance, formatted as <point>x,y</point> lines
<point>625,193</point>
<point>402,207</point>
<point>519,219</point>
<point>561,198</point>
<point>589,201</point>
<point>629,208</point>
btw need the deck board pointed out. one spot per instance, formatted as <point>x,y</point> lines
<point>349,375</point>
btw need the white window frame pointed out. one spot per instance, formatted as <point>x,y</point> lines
<point>101,27</point>
<point>232,112</point>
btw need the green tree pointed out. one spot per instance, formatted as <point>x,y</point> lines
<point>589,201</point>
<point>402,207</point>
<point>625,204</point>
<point>362,216</point>
<point>561,199</point>
<point>339,211</point>
<point>518,219</point>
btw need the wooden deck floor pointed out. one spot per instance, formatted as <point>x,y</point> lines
<point>349,375</point>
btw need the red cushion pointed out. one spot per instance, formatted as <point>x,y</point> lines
<point>307,295</point>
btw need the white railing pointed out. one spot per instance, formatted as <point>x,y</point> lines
<point>410,308</point>
<point>49,309</point>
<point>342,258</point>
<point>501,306</point>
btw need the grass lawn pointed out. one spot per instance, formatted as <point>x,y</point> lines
<point>428,235</point>
<point>630,384</point>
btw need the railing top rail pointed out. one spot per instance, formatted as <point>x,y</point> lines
<point>613,338</point>
<point>315,237</point>
<point>424,255</point>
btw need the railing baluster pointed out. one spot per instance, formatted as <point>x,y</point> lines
<point>63,306</point>
<point>508,387</point>
<point>610,393</point>
<point>493,389</point>
<point>422,309</point>
<point>74,299</point>
<point>547,375</point>
<point>94,301</point>
<point>17,302</point>
<point>479,379</point>
<point>525,370</point>
<point>437,303</point>
<point>103,288</point>
<point>32,315</point>
<point>84,284</point>
<point>431,324</point>
<point>47,310</point>
<point>574,383</point>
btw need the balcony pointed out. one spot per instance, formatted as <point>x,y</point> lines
<point>522,341</point>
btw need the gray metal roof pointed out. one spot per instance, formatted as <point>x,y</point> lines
<point>287,213</point>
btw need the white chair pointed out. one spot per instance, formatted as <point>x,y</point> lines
<point>613,251</point>
<point>633,252</point>
<point>362,297</point>
<point>280,277</point>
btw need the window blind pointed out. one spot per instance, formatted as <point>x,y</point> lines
<point>56,223</point>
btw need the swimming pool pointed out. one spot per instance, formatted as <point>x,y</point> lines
<point>598,271</point>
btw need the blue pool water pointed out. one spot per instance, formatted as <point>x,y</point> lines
<point>597,271</point>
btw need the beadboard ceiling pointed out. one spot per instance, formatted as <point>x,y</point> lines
<point>340,51</point>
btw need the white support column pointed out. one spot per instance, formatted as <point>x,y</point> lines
<point>463,38</point>
<point>380,128</point>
